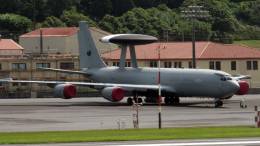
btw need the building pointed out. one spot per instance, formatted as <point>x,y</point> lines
<point>60,40</point>
<point>45,47</point>
<point>234,59</point>
<point>8,47</point>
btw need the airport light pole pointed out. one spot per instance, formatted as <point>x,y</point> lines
<point>194,12</point>
<point>159,90</point>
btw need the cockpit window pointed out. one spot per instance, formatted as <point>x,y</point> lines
<point>224,77</point>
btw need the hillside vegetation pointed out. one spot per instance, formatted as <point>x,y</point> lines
<point>228,19</point>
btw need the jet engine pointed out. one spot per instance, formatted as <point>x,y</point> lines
<point>244,87</point>
<point>113,94</point>
<point>65,91</point>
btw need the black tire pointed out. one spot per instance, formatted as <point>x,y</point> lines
<point>218,104</point>
<point>176,100</point>
<point>140,100</point>
<point>167,100</point>
<point>129,101</point>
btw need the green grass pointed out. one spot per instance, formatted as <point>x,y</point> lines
<point>250,43</point>
<point>126,135</point>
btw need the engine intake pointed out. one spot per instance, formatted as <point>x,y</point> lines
<point>113,94</point>
<point>65,91</point>
<point>244,88</point>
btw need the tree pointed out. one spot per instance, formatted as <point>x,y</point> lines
<point>120,7</point>
<point>12,25</point>
<point>35,10</point>
<point>15,23</point>
<point>56,7</point>
<point>52,21</point>
<point>96,9</point>
<point>10,6</point>
<point>72,18</point>
<point>111,24</point>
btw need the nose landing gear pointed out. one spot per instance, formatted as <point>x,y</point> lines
<point>218,103</point>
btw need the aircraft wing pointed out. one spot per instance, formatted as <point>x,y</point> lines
<point>63,71</point>
<point>129,87</point>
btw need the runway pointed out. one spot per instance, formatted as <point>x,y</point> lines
<point>97,113</point>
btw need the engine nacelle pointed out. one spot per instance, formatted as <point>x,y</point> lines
<point>244,88</point>
<point>113,94</point>
<point>65,91</point>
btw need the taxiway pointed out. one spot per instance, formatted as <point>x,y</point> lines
<point>97,113</point>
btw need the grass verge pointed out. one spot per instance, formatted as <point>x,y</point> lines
<point>127,135</point>
<point>250,43</point>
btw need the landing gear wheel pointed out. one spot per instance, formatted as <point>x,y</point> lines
<point>218,103</point>
<point>167,100</point>
<point>172,100</point>
<point>139,100</point>
<point>176,100</point>
<point>129,101</point>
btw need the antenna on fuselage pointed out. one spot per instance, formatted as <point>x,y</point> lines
<point>128,41</point>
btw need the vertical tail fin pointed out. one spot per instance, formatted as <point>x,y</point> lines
<point>89,56</point>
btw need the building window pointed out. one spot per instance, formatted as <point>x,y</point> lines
<point>211,65</point>
<point>168,64</point>
<point>218,65</point>
<point>215,65</point>
<point>255,65</point>
<point>252,65</point>
<point>127,64</point>
<point>177,64</point>
<point>19,66</point>
<point>67,65</point>
<point>43,65</point>
<point>115,63</point>
<point>153,64</point>
<point>233,65</point>
<point>190,64</point>
<point>15,84</point>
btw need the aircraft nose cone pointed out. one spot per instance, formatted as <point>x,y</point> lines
<point>235,86</point>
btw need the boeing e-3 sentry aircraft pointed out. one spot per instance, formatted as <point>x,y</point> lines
<point>115,83</point>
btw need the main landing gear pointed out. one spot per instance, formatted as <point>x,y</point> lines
<point>218,103</point>
<point>131,101</point>
<point>172,100</point>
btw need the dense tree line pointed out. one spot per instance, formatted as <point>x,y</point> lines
<point>228,20</point>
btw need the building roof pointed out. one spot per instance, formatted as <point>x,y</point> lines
<point>183,51</point>
<point>9,44</point>
<point>58,31</point>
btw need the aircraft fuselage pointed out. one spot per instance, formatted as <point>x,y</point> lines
<point>175,81</point>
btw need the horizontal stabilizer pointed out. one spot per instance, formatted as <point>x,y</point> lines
<point>129,39</point>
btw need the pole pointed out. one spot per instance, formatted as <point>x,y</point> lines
<point>193,45</point>
<point>159,92</point>
<point>192,13</point>
<point>41,42</point>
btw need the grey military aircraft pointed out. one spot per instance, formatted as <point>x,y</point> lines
<point>115,83</point>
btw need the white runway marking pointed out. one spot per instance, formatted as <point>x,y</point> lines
<point>199,143</point>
